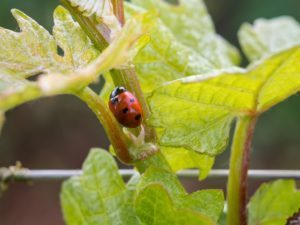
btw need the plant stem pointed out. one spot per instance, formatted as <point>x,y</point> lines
<point>99,36</point>
<point>119,10</point>
<point>157,160</point>
<point>111,126</point>
<point>238,174</point>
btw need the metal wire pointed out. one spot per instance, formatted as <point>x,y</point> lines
<point>8,174</point>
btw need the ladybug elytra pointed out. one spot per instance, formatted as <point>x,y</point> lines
<point>125,107</point>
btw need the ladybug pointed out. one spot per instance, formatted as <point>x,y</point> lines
<point>125,107</point>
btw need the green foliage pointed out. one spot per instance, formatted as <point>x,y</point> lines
<point>155,207</point>
<point>267,37</point>
<point>211,101</point>
<point>165,58</point>
<point>195,91</point>
<point>197,201</point>
<point>180,158</point>
<point>183,43</point>
<point>34,51</point>
<point>101,196</point>
<point>191,24</point>
<point>273,203</point>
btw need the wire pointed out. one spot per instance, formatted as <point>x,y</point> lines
<point>13,174</point>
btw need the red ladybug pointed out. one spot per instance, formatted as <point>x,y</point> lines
<point>125,107</point>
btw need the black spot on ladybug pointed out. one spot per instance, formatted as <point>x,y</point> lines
<point>125,110</point>
<point>131,100</point>
<point>137,117</point>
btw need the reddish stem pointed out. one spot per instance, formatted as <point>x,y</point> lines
<point>238,176</point>
<point>119,10</point>
<point>244,172</point>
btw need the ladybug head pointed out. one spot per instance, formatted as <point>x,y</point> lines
<point>116,92</point>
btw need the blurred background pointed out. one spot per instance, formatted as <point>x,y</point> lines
<point>57,132</point>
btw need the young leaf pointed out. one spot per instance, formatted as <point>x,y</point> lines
<point>274,203</point>
<point>67,33</point>
<point>33,50</point>
<point>187,122</point>
<point>210,102</point>
<point>15,90</point>
<point>99,196</point>
<point>165,58</point>
<point>199,201</point>
<point>207,202</point>
<point>183,43</point>
<point>267,37</point>
<point>154,206</point>
<point>119,53</point>
<point>180,158</point>
<point>190,22</point>
<point>166,178</point>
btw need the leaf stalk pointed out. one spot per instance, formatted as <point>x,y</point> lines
<point>238,171</point>
<point>119,10</point>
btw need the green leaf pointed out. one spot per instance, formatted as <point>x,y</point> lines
<point>154,206</point>
<point>96,196</point>
<point>33,50</point>
<point>133,182</point>
<point>199,201</point>
<point>266,37</point>
<point>207,202</point>
<point>183,43</point>
<point>180,158</point>
<point>165,58</point>
<point>166,178</point>
<point>190,22</point>
<point>99,196</point>
<point>196,112</point>
<point>273,203</point>
<point>118,54</point>
<point>15,90</point>
<point>66,33</point>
